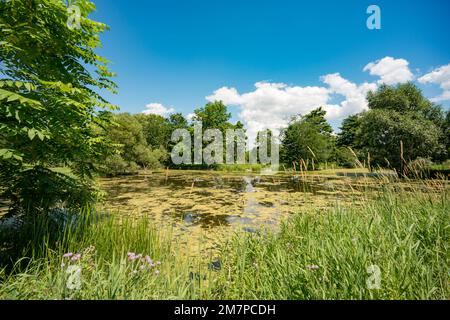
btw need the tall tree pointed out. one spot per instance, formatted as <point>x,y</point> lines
<point>177,121</point>
<point>401,126</point>
<point>156,130</point>
<point>50,106</point>
<point>214,115</point>
<point>317,119</point>
<point>349,129</point>
<point>307,137</point>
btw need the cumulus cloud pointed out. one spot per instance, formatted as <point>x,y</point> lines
<point>441,77</point>
<point>230,95</point>
<point>390,70</point>
<point>271,105</point>
<point>158,109</point>
<point>355,96</point>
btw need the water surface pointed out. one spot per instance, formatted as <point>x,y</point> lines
<point>204,208</point>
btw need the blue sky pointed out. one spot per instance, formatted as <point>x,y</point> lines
<point>176,53</point>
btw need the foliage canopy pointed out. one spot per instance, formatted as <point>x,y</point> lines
<point>51,109</point>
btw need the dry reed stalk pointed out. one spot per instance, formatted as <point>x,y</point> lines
<point>358,163</point>
<point>300,167</point>
<point>306,166</point>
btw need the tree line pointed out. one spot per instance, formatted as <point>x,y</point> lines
<point>144,141</point>
<point>400,128</point>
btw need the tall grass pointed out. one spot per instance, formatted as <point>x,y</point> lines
<point>326,254</point>
<point>317,254</point>
<point>107,272</point>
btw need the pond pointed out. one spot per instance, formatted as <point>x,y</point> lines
<point>203,208</point>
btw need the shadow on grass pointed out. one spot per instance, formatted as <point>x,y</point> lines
<point>32,235</point>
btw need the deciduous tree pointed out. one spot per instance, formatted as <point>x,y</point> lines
<point>50,107</point>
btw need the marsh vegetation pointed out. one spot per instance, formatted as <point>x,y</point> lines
<point>333,229</point>
<point>92,207</point>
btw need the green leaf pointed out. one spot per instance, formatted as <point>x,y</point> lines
<point>3,152</point>
<point>17,157</point>
<point>40,135</point>
<point>11,96</point>
<point>6,153</point>
<point>31,134</point>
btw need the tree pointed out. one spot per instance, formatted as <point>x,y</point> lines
<point>307,137</point>
<point>134,152</point>
<point>349,129</point>
<point>317,119</point>
<point>177,121</point>
<point>393,139</point>
<point>346,142</point>
<point>402,98</point>
<point>215,115</point>
<point>51,111</point>
<point>156,130</point>
<point>447,132</point>
<point>401,126</point>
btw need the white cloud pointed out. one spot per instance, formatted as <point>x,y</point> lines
<point>440,76</point>
<point>158,109</point>
<point>355,96</point>
<point>271,105</point>
<point>230,95</point>
<point>390,70</point>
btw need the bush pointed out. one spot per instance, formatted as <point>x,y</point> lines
<point>37,190</point>
<point>344,158</point>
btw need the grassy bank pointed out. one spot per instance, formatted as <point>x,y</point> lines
<point>316,255</point>
<point>326,255</point>
<point>119,259</point>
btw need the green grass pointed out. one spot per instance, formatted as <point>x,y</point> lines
<point>107,273</point>
<point>316,255</point>
<point>407,237</point>
<point>442,166</point>
<point>240,167</point>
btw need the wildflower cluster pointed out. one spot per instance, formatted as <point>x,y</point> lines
<point>70,258</point>
<point>143,263</point>
<point>86,257</point>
